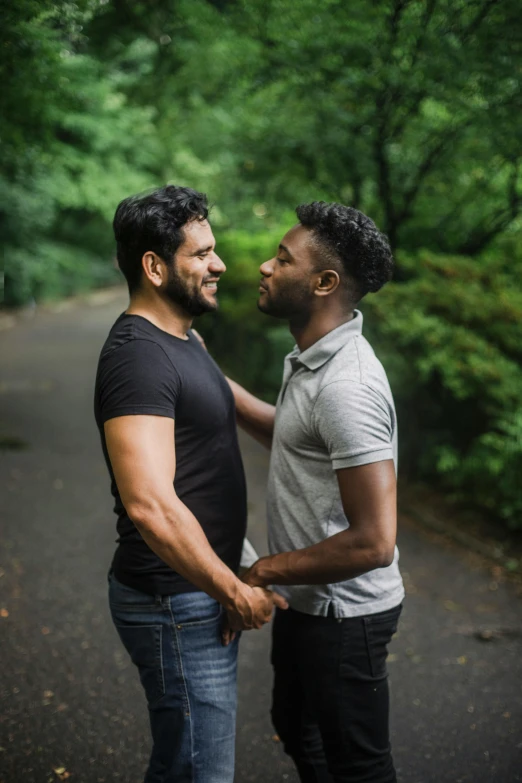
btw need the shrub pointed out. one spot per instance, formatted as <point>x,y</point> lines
<point>53,271</point>
<point>450,337</point>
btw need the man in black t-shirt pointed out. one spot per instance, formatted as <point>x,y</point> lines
<point>167,423</point>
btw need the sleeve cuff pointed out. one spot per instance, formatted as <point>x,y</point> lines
<point>353,461</point>
<point>137,410</point>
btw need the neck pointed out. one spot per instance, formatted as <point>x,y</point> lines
<point>163,313</point>
<point>308,332</point>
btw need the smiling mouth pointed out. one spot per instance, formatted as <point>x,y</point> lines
<point>210,286</point>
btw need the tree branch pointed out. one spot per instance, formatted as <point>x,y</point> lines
<point>424,169</point>
<point>482,236</point>
<point>477,21</point>
<point>426,19</point>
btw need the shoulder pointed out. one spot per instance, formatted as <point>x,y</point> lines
<point>355,387</point>
<point>135,351</point>
<point>356,367</point>
<point>137,363</point>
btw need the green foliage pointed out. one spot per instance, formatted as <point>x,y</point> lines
<point>451,340</point>
<point>69,154</point>
<point>54,272</point>
<point>407,110</point>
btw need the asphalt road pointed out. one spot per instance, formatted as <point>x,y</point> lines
<point>72,707</point>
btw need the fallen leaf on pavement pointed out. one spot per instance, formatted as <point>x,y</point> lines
<point>62,773</point>
<point>451,606</point>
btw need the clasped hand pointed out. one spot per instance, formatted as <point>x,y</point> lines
<point>253,610</point>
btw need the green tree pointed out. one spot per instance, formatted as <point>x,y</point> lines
<point>406,109</point>
<point>72,147</point>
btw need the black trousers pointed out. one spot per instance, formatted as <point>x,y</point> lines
<point>330,699</point>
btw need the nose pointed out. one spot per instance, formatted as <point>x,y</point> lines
<point>216,264</point>
<point>267,268</point>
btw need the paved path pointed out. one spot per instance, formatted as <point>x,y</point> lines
<point>70,699</point>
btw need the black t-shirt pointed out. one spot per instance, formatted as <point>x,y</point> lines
<point>144,370</point>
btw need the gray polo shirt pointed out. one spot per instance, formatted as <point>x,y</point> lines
<point>335,410</point>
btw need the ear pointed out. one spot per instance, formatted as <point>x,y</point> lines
<point>327,282</point>
<point>154,268</point>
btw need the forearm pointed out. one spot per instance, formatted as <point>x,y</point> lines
<point>254,416</point>
<point>174,534</point>
<point>336,559</point>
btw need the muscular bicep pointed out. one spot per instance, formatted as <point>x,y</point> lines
<point>369,498</point>
<point>142,454</point>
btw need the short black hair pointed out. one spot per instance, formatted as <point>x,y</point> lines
<point>154,222</point>
<point>350,237</point>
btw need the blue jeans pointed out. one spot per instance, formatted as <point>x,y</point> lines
<point>189,680</point>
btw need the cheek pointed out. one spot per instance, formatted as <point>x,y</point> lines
<point>291,284</point>
<point>195,274</point>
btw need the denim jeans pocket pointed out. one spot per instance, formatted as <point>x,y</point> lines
<point>143,643</point>
<point>379,629</point>
<point>191,610</point>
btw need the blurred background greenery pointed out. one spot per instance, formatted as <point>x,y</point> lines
<point>407,109</point>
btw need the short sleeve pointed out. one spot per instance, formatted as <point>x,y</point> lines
<point>355,423</point>
<point>137,378</point>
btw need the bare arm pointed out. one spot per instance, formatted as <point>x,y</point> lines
<point>141,450</point>
<point>253,415</point>
<point>368,495</point>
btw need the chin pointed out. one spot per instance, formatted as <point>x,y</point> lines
<point>268,310</point>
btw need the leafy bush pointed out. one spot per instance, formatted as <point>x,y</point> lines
<point>450,337</point>
<point>54,271</point>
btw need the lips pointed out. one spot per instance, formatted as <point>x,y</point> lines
<point>263,287</point>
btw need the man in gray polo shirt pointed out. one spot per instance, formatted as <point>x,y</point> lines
<point>331,500</point>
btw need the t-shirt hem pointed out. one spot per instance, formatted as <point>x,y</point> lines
<point>343,609</point>
<point>153,586</point>
<point>378,455</point>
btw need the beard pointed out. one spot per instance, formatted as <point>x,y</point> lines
<point>188,296</point>
<point>291,301</point>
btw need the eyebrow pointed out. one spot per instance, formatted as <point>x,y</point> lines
<point>201,250</point>
<point>286,250</point>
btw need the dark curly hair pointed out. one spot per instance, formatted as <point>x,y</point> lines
<point>154,222</point>
<point>349,237</point>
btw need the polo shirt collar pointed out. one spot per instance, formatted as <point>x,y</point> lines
<point>319,353</point>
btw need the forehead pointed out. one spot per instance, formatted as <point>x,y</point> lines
<point>198,235</point>
<point>299,241</point>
